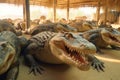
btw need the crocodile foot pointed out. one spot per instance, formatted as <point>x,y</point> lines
<point>36,68</point>
<point>98,65</point>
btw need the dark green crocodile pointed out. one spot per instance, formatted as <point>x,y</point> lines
<point>7,26</point>
<point>103,37</point>
<point>10,47</point>
<point>54,27</point>
<point>62,47</point>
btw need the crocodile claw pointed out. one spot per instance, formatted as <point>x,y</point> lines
<point>98,65</point>
<point>36,69</point>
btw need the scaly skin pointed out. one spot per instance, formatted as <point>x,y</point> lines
<point>10,47</point>
<point>54,27</point>
<point>102,37</point>
<point>57,48</point>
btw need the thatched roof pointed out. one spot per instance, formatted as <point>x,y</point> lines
<point>63,3</point>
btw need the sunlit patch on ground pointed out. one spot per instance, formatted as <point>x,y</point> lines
<point>108,59</point>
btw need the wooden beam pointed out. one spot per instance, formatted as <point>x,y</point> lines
<point>68,9</point>
<point>54,9</point>
<point>26,13</point>
<point>75,3</point>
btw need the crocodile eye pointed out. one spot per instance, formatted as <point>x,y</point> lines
<point>68,35</point>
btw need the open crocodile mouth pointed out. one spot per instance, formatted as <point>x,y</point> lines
<point>71,55</point>
<point>111,39</point>
<point>72,50</point>
<point>5,63</point>
<point>6,59</point>
<point>77,56</point>
<point>114,38</point>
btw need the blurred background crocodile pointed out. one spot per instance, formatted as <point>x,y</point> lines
<point>54,27</point>
<point>7,26</point>
<point>62,47</point>
<point>103,37</point>
<point>82,26</point>
<point>10,48</point>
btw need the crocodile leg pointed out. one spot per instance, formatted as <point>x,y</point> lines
<point>92,39</point>
<point>34,66</point>
<point>95,63</point>
<point>30,60</point>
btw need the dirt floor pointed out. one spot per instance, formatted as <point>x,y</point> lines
<point>111,58</point>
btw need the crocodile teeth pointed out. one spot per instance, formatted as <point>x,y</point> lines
<point>70,50</point>
<point>76,55</point>
<point>83,58</point>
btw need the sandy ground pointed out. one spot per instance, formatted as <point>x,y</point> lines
<point>111,58</point>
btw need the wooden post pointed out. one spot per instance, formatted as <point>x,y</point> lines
<point>106,10</point>
<point>24,16</point>
<point>119,15</point>
<point>54,9</point>
<point>68,9</point>
<point>98,11</point>
<point>26,13</point>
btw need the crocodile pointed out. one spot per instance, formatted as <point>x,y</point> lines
<point>82,26</point>
<point>103,37</point>
<point>58,48</point>
<point>7,26</point>
<point>10,48</point>
<point>54,27</point>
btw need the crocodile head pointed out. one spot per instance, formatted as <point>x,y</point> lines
<point>72,49</point>
<point>7,53</point>
<point>111,36</point>
<point>65,27</point>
